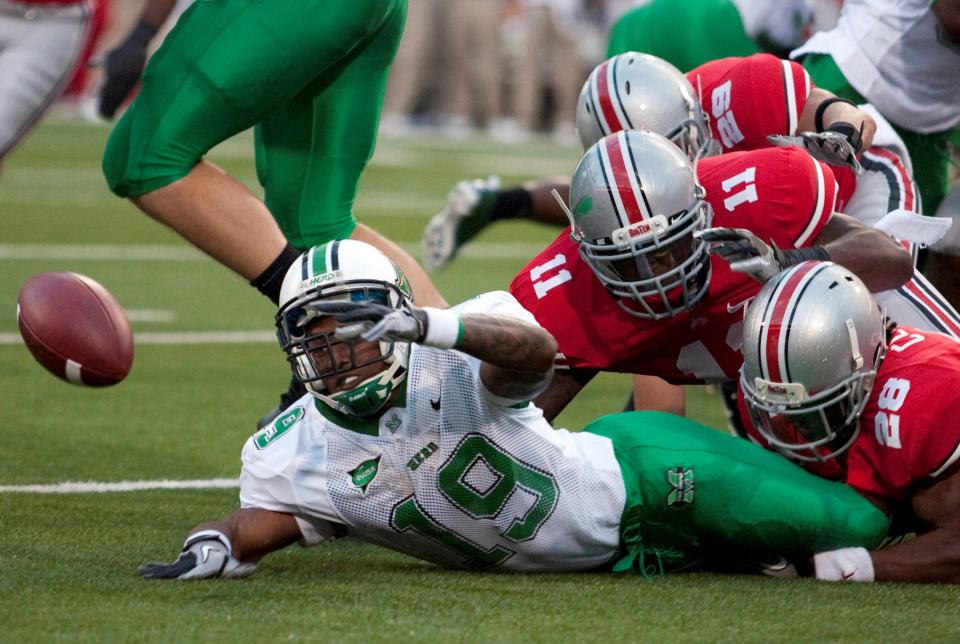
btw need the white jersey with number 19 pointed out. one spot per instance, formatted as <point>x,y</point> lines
<point>453,475</point>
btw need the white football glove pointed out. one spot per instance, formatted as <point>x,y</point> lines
<point>831,146</point>
<point>746,253</point>
<point>440,328</point>
<point>375,322</point>
<point>205,554</point>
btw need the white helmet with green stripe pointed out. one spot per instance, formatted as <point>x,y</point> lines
<point>350,271</point>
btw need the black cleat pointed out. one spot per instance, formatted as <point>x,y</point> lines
<point>287,398</point>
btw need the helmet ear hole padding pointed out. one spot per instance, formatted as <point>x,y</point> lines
<point>815,327</point>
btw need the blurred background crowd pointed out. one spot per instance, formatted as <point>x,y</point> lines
<point>465,67</point>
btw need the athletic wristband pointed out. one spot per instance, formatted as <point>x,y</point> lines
<point>818,115</point>
<point>850,133</point>
<point>845,564</point>
<point>793,256</point>
<point>444,328</point>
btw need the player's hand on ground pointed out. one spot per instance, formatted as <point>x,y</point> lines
<point>375,322</point>
<point>837,145</point>
<point>122,69</point>
<point>744,251</point>
<point>204,555</point>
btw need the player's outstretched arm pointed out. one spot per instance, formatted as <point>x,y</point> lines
<point>228,548</point>
<point>517,356</point>
<point>932,557</point>
<point>876,257</point>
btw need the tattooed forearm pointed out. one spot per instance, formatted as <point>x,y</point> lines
<point>508,343</point>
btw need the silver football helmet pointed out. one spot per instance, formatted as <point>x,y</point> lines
<point>635,206</point>
<point>813,339</point>
<point>341,270</point>
<point>635,91</point>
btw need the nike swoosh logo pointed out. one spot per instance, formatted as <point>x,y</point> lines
<point>848,575</point>
<point>205,553</point>
<point>780,564</point>
<point>738,306</point>
<point>435,404</point>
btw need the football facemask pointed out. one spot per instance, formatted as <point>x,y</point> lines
<point>813,339</point>
<point>636,205</point>
<point>323,274</point>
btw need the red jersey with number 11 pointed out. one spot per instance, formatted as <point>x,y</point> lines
<point>781,194</point>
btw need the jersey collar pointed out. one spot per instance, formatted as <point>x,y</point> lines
<point>368,426</point>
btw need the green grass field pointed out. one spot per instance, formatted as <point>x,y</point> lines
<point>68,561</point>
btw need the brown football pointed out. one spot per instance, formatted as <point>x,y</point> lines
<point>75,328</point>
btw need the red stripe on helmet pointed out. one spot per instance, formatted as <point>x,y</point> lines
<point>615,148</point>
<point>777,328</point>
<point>605,100</point>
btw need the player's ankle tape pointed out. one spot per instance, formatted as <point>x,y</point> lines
<point>444,328</point>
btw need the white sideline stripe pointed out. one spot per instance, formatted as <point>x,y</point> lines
<point>186,337</point>
<point>171,253</point>
<point>73,487</point>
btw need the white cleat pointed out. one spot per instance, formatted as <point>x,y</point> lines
<point>466,213</point>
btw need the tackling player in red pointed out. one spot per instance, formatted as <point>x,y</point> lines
<point>630,288</point>
<point>829,383</point>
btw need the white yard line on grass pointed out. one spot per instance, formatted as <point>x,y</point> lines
<point>74,487</point>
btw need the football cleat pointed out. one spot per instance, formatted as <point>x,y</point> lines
<point>293,393</point>
<point>466,213</point>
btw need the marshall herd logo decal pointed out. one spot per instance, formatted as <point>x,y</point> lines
<point>362,475</point>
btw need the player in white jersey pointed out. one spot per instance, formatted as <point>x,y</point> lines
<point>417,434</point>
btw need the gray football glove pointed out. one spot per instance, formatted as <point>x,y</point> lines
<point>375,322</point>
<point>830,146</point>
<point>746,253</point>
<point>205,554</point>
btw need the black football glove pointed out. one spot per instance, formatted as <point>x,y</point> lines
<point>123,67</point>
<point>205,554</point>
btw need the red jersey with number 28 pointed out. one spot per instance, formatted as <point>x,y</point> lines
<point>908,431</point>
<point>781,194</point>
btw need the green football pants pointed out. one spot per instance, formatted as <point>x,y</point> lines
<point>694,492</point>
<point>310,74</point>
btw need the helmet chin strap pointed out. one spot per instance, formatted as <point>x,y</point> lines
<point>370,396</point>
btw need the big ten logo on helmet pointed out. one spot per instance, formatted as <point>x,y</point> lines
<point>325,277</point>
<point>727,127</point>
